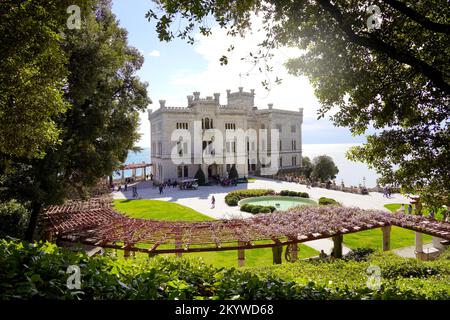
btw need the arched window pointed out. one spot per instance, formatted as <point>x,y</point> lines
<point>206,123</point>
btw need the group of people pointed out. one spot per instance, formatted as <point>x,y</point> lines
<point>166,184</point>
<point>418,211</point>
<point>387,192</point>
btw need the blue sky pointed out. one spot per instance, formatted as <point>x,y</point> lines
<point>176,69</point>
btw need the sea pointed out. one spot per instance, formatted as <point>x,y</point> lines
<point>351,173</point>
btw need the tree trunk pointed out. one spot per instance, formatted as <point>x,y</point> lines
<point>35,211</point>
<point>277,253</point>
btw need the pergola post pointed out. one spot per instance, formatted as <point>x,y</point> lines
<point>294,252</point>
<point>178,245</point>
<point>419,246</point>
<point>386,238</point>
<point>337,248</point>
<point>126,253</point>
<point>241,255</point>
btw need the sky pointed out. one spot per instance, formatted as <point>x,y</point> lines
<point>175,69</point>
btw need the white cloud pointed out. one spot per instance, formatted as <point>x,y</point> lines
<point>292,94</point>
<point>154,53</point>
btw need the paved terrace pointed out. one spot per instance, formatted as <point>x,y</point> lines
<point>200,200</point>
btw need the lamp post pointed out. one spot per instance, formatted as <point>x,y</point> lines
<point>364,182</point>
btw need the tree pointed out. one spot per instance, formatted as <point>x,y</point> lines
<point>233,174</point>
<point>100,127</point>
<point>324,168</point>
<point>32,75</point>
<point>307,167</point>
<point>200,176</point>
<point>395,79</point>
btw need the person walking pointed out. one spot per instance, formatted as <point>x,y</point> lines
<point>161,187</point>
<point>213,202</point>
<point>410,209</point>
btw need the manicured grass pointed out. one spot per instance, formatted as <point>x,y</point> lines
<point>158,210</point>
<point>425,211</point>
<point>253,257</point>
<point>163,210</point>
<point>373,238</point>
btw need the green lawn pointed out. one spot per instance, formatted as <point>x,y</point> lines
<point>163,210</point>
<point>158,210</point>
<point>395,206</point>
<point>373,238</point>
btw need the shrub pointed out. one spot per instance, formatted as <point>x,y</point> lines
<point>200,175</point>
<point>231,200</point>
<point>265,209</point>
<point>327,201</point>
<point>304,195</point>
<point>256,209</point>
<point>233,174</point>
<point>14,219</point>
<point>38,271</point>
<point>359,254</point>
<point>234,197</point>
<point>284,192</point>
<point>271,208</point>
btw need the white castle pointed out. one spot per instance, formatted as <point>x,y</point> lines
<point>203,114</point>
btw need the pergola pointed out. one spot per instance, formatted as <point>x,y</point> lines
<point>95,222</point>
<point>133,167</point>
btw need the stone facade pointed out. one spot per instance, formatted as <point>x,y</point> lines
<point>202,114</point>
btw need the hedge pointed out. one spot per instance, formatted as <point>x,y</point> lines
<point>234,197</point>
<point>327,201</point>
<point>293,194</point>
<point>38,271</point>
<point>252,208</point>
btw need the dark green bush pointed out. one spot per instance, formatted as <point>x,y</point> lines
<point>327,201</point>
<point>265,209</point>
<point>251,208</point>
<point>14,218</point>
<point>234,197</point>
<point>38,271</point>
<point>200,175</point>
<point>293,194</point>
<point>284,192</point>
<point>359,254</point>
<point>233,174</point>
<point>304,195</point>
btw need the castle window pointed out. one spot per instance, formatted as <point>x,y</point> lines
<point>207,123</point>
<point>293,128</point>
<point>182,125</point>
<point>230,126</point>
<point>278,127</point>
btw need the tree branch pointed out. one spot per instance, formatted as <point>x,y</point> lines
<point>417,17</point>
<point>392,52</point>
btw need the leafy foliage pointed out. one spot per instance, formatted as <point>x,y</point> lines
<point>394,79</point>
<point>32,75</point>
<point>257,208</point>
<point>233,174</point>
<point>200,175</point>
<point>38,271</point>
<point>327,201</point>
<point>14,218</point>
<point>324,168</point>
<point>294,194</point>
<point>233,197</point>
<point>98,130</point>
